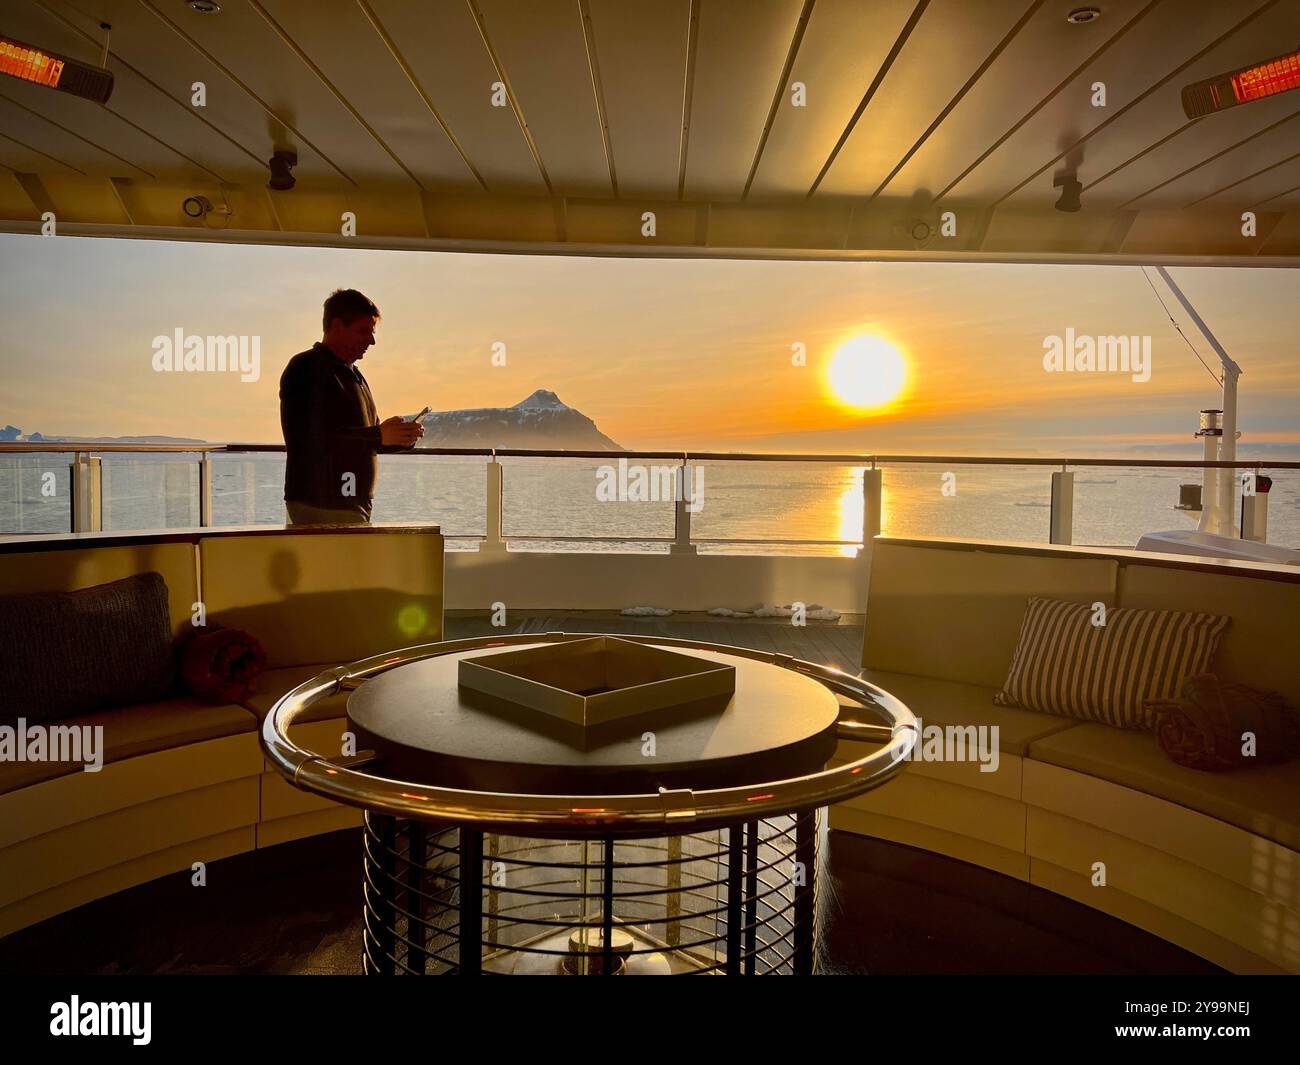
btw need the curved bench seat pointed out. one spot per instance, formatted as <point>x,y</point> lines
<point>185,781</point>
<point>288,813</point>
<point>1263,800</point>
<point>1209,861</point>
<point>164,800</point>
<point>131,731</point>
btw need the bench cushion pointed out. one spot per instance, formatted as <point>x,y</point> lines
<point>275,682</point>
<point>948,702</point>
<point>1065,664</point>
<point>130,731</point>
<point>69,653</point>
<point>1264,800</point>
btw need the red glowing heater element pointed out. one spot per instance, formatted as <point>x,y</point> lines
<point>54,71</point>
<point>1269,78</point>
<point>29,64</point>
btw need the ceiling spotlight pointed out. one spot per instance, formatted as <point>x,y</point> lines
<point>202,207</point>
<point>54,71</point>
<point>1071,188</point>
<point>1273,76</point>
<point>1082,15</point>
<point>204,7</point>
<point>281,164</point>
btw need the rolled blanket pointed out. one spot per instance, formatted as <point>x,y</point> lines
<point>219,664</point>
<point>1207,728</point>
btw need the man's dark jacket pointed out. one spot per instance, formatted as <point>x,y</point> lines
<point>330,429</point>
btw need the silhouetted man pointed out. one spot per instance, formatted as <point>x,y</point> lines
<point>331,432</point>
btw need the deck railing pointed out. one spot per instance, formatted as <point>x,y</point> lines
<point>86,484</point>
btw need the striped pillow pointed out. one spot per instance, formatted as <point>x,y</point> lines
<point>1066,665</point>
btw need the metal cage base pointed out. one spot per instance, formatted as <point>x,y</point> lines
<point>736,900</point>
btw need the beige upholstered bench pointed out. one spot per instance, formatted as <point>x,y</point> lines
<point>184,781</point>
<point>1210,861</point>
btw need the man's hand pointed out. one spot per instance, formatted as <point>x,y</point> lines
<point>398,432</point>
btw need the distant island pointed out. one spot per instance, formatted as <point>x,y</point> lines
<point>12,434</point>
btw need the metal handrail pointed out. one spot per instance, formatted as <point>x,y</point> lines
<point>637,538</point>
<point>628,539</point>
<point>896,728</point>
<point>89,447</point>
<point>804,543</point>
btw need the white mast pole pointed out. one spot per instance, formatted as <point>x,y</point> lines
<point>1226,480</point>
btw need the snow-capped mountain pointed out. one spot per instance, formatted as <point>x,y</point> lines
<point>542,420</point>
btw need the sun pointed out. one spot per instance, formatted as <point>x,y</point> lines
<point>867,371</point>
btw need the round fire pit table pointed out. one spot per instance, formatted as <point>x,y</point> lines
<point>591,805</point>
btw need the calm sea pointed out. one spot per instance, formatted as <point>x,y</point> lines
<point>547,498</point>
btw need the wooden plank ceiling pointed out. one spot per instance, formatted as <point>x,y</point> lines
<point>820,128</point>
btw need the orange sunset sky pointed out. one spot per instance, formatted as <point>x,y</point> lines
<point>678,354</point>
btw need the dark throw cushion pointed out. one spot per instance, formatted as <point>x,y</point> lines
<point>1206,728</point>
<point>219,664</point>
<point>1066,665</point>
<point>68,653</point>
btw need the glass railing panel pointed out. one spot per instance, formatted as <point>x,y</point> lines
<point>1284,508</point>
<point>248,488</point>
<point>450,491</point>
<point>968,501</point>
<point>35,494</point>
<point>1114,506</point>
<point>576,498</point>
<point>777,501</point>
<point>142,491</point>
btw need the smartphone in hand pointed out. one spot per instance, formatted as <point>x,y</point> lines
<point>420,417</point>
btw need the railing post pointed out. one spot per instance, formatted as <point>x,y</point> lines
<point>1061,525</point>
<point>1254,509</point>
<point>495,486</point>
<point>681,544</point>
<point>873,492</point>
<point>87,495</point>
<point>205,490</point>
<point>873,495</point>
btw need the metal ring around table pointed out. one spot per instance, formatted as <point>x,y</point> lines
<point>673,810</point>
